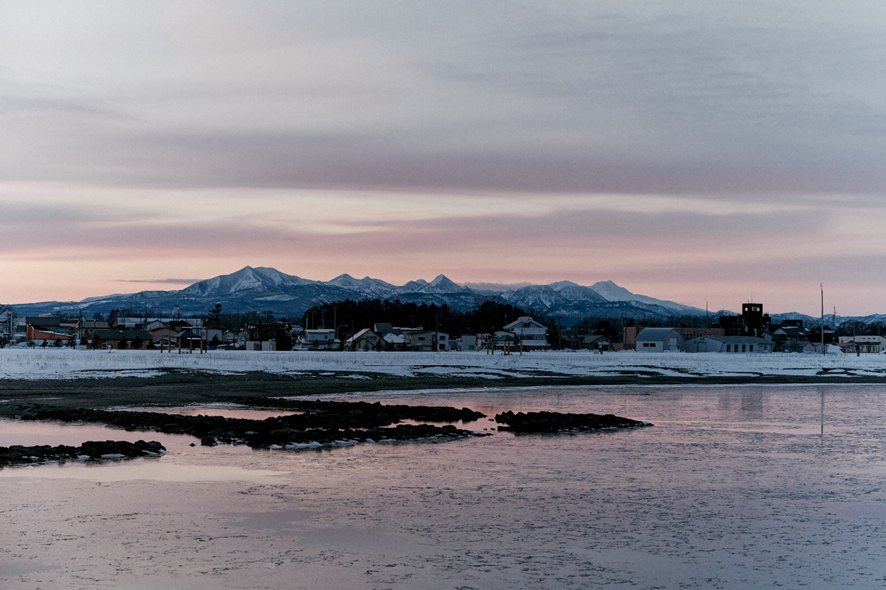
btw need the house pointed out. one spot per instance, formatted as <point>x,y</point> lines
<point>86,328</point>
<point>466,343</point>
<point>595,342</point>
<point>7,324</point>
<point>365,339</point>
<point>862,344</point>
<point>395,341</point>
<point>729,344</point>
<point>659,340</point>
<point>795,346</point>
<point>528,333</point>
<point>261,337</point>
<point>426,340</point>
<point>136,339</point>
<point>321,339</point>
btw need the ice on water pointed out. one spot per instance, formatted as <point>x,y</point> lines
<point>732,488</point>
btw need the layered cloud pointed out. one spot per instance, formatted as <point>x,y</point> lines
<point>690,150</point>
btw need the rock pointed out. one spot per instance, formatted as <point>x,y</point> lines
<point>561,422</point>
<point>19,455</point>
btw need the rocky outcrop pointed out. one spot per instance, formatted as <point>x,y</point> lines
<point>322,423</point>
<point>88,451</point>
<point>363,411</point>
<point>557,422</point>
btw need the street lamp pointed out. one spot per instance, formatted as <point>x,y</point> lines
<point>342,344</point>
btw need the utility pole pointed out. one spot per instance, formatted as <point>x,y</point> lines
<point>822,318</point>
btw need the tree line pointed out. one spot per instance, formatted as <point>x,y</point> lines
<point>352,316</point>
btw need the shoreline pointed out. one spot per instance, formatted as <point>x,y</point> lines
<point>177,387</point>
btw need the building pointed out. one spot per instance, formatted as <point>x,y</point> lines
<point>426,340</point>
<point>48,330</point>
<point>466,343</point>
<point>7,324</point>
<point>365,339</point>
<point>321,339</point>
<point>659,340</point>
<point>595,342</point>
<point>135,339</point>
<point>751,322</point>
<point>528,333</point>
<point>729,344</point>
<point>862,344</point>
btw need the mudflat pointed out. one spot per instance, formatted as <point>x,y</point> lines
<point>176,387</point>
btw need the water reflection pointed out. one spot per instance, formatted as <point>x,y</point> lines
<point>733,488</point>
<point>31,433</point>
<point>752,403</point>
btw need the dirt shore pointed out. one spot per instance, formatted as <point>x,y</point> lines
<point>192,387</point>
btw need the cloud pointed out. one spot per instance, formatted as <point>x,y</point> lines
<point>161,281</point>
<point>575,98</point>
<point>490,141</point>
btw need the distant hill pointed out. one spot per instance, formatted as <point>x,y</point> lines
<point>267,289</point>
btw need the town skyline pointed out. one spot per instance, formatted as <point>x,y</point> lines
<point>702,154</point>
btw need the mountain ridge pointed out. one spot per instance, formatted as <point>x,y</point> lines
<point>268,289</point>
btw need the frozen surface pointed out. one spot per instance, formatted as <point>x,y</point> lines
<point>733,488</point>
<point>65,363</point>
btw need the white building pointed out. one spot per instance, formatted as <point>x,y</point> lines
<point>466,343</point>
<point>863,344</point>
<point>528,333</point>
<point>728,344</point>
<point>321,339</point>
<point>659,340</point>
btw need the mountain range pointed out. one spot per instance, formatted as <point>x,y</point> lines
<point>267,289</point>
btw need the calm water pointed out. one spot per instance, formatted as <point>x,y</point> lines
<point>745,487</point>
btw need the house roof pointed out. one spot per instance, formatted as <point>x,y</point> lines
<point>121,334</point>
<point>43,321</point>
<point>735,339</point>
<point>523,321</point>
<point>364,333</point>
<point>656,334</point>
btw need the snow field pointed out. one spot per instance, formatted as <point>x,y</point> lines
<point>73,364</point>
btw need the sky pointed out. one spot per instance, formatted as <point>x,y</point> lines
<point>709,153</point>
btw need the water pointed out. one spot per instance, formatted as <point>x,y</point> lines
<point>743,487</point>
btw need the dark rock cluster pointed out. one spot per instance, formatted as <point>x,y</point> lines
<point>361,411</point>
<point>90,450</point>
<point>321,423</point>
<point>317,437</point>
<point>558,422</point>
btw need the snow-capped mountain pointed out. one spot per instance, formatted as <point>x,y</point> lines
<point>367,285</point>
<point>247,279</point>
<point>267,289</point>
<point>612,292</point>
<point>535,297</point>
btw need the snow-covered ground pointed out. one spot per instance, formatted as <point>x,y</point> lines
<point>67,364</point>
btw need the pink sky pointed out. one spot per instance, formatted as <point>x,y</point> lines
<point>697,153</point>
